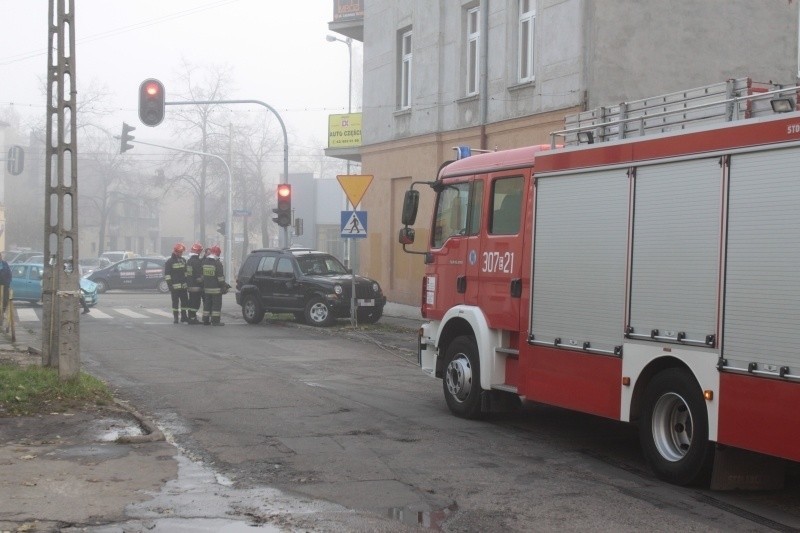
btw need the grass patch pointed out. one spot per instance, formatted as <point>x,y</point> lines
<point>29,390</point>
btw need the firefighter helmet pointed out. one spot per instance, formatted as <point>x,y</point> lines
<point>179,248</point>
<point>197,248</point>
<point>215,250</point>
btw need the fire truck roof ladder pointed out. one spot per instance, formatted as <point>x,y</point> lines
<point>735,99</point>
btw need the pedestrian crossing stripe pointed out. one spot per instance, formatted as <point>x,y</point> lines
<point>159,312</point>
<point>129,313</point>
<point>33,314</point>
<point>27,315</point>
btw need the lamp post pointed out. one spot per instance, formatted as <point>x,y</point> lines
<point>348,244</point>
<point>349,42</point>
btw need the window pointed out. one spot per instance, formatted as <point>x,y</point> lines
<point>405,70</point>
<point>285,268</point>
<point>266,263</point>
<point>472,51</point>
<point>506,206</point>
<point>527,18</point>
<point>458,211</point>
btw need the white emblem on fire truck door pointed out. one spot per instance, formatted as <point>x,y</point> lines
<point>473,257</point>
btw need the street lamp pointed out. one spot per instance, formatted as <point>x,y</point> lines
<point>349,43</point>
<point>348,244</point>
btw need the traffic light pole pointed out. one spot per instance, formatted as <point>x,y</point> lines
<point>285,153</point>
<point>228,212</point>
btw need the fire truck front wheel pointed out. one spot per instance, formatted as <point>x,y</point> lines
<point>674,429</point>
<point>462,382</point>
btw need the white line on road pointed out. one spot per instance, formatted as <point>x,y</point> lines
<point>25,314</point>
<point>129,313</point>
<point>159,312</point>
<point>96,313</point>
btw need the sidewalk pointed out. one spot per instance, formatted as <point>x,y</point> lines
<point>75,469</point>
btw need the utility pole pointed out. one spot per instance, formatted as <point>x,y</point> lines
<point>60,284</point>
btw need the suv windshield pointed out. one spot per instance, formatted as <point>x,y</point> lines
<point>320,265</point>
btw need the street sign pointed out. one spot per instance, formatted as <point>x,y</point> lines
<point>242,212</point>
<point>15,163</point>
<point>354,224</point>
<point>354,187</point>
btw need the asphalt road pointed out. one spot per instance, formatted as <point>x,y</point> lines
<point>345,415</point>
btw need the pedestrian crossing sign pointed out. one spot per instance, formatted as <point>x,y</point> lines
<point>354,224</point>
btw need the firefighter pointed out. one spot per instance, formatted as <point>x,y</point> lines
<point>214,287</point>
<point>194,281</point>
<point>175,275</point>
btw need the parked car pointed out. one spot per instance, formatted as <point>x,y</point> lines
<point>26,284</point>
<point>91,264</point>
<point>89,290</point>
<point>25,256</point>
<point>138,273</point>
<point>313,285</point>
<point>116,256</point>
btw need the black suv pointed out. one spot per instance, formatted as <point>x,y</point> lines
<point>313,285</point>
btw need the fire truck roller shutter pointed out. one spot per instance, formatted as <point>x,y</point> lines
<point>762,286</point>
<point>676,236</point>
<point>580,252</point>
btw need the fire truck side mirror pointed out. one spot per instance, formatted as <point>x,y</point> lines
<point>406,236</point>
<point>410,205</point>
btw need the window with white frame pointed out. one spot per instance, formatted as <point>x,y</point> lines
<point>405,70</point>
<point>473,33</point>
<point>527,19</point>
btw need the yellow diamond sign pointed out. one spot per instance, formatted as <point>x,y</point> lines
<point>354,187</point>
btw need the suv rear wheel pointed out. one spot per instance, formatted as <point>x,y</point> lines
<point>251,310</point>
<point>319,313</point>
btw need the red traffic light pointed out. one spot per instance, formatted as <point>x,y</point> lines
<point>152,88</point>
<point>284,209</point>
<point>151,102</point>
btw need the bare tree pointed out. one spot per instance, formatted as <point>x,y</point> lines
<point>200,127</point>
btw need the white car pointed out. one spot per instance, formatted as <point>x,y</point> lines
<point>117,256</point>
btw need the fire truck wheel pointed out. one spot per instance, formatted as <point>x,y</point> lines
<point>673,429</point>
<point>462,380</point>
<point>251,310</point>
<point>319,313</point>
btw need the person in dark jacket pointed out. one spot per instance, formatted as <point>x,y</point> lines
<point>214,287</point>
<point>5,285</point>
<point>194,281</point>
<point>175,275</point>
<point>5,281</point>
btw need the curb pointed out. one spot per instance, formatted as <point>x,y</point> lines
<point>153,434</point>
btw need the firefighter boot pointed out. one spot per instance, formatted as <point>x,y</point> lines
<point>183,316</point>
<point>175,315</point>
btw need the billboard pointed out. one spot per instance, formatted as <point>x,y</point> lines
<point>344,131</point>
<point>347,10</point>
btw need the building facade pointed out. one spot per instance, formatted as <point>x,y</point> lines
<point>496,75</point>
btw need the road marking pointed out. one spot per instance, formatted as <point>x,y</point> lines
<point>129,313</point>
<point>25,314</point>
<point>159,312</point>
<point>96,313</point>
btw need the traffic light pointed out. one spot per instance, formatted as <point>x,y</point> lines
<point>126,138</point>
<point>284,209</point>
<point>151,102</point>
<point>221,228</point>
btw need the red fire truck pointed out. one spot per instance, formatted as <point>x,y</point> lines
<point>644,266</point>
